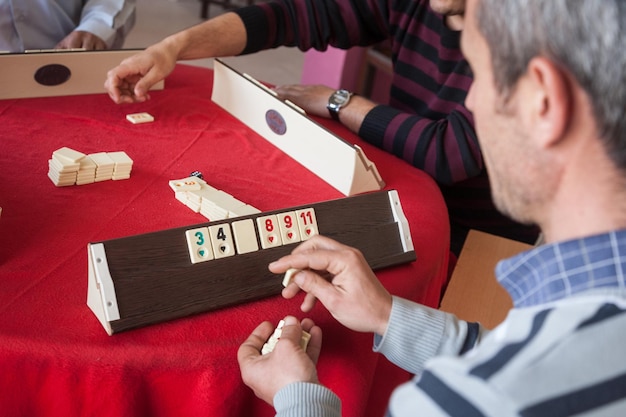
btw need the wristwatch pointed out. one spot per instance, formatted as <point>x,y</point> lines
<point>337,100</point>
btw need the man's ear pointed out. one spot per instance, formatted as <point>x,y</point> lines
<point>548,101</point>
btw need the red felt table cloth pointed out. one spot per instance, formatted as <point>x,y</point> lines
<point>56,359</point>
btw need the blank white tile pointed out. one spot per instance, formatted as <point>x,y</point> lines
<point>245,236</point>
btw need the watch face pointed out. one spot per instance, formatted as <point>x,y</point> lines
<point>340,97</point>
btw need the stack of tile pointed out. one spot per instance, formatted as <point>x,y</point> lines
<point>224,206</point>
<point>182,189</point>
<point>104,166</point>
<point>86,172</point>
<point>64,165</point>
<point>212,203</point>
<point>123,165</point>
<point>69,167</point>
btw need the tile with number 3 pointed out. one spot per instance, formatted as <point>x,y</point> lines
<point>199,245</point>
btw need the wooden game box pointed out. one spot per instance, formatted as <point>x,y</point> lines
<point>145,279</point>
<point>285,125</point>
<point>58,72</point>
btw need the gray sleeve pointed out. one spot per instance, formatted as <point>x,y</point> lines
<point>303,399</point>
<point>417,333</point>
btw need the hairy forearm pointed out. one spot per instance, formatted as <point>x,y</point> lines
<point>354,113</point>
<point>224,35</point>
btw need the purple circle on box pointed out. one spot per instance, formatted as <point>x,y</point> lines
<point>276,122</point>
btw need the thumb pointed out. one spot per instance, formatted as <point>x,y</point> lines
<point>315,285</point>
<point>146,82</point>
<point>142,87</point>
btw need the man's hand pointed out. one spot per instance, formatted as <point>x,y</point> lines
<point>354,296</point>
<point>81,39</point>
<point>130,81</point>
<point>287,363</point>
<point>311,98</point>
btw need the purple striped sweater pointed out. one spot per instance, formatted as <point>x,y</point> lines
<point>425,123</point>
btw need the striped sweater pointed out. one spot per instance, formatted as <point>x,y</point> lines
<point>559,352</point>
<point>425,123</point>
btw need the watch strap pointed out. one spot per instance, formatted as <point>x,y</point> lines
<point>334,112</point>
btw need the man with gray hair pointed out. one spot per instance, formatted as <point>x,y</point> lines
<point>548,99</point>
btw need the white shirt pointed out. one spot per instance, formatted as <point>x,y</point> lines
<point>41,24</point>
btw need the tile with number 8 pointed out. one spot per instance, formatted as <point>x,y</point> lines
<point>269,231</point>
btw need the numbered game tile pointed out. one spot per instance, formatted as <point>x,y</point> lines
<point>186,184</point>
<point>269,231</point>
<point>307,223</point>
<point>289,230</point>
<point>199,245</point>
<point>222,240</point>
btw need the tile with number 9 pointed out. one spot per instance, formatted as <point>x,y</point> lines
<point>289,230</point>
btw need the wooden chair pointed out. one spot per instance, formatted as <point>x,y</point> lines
<point>473,294</point>
<point>226,5</point>
<point>374,79</point>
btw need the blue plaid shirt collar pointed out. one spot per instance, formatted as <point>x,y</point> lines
<point>559,270</point>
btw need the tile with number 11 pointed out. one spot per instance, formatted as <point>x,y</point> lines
<point>307,223</point>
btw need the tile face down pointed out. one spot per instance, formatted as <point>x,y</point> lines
<point>150,278</point>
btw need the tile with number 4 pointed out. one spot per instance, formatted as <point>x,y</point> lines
<point>222,240</point>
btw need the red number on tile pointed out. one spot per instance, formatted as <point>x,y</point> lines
<point>306,217</point>
<point>288,222</point>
